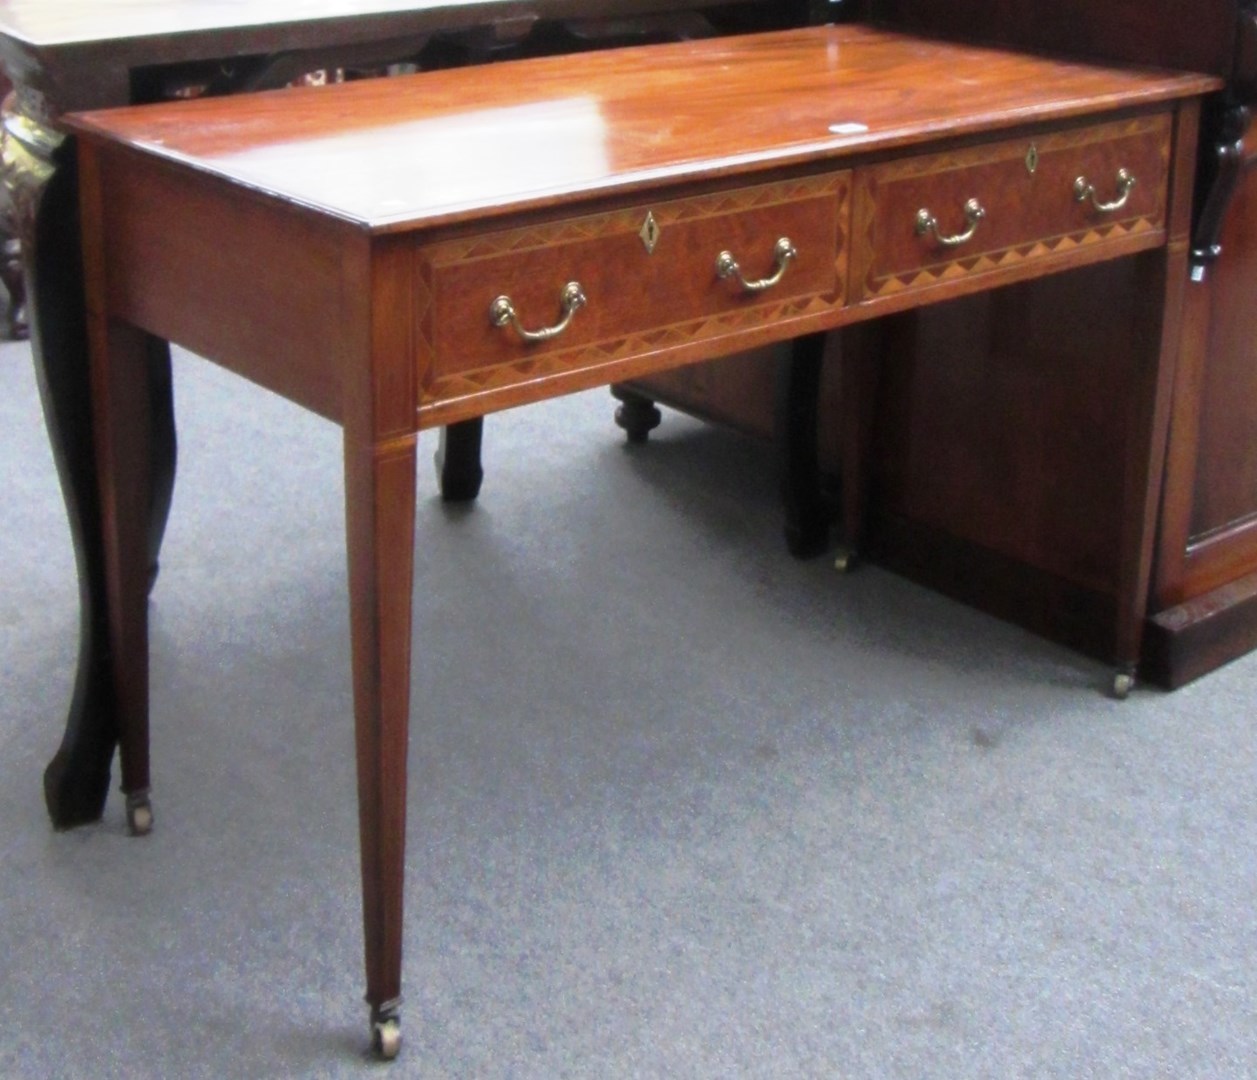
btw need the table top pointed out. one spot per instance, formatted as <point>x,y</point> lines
<point>444,146</point>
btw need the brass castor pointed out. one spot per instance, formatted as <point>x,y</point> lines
<point>845,561</point>
<point>1123,684</point>
<point>386,1033</point>
<point>139,813</point>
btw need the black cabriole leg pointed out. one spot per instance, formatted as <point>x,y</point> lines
<point>76,781</point>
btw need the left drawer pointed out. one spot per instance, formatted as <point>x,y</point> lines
<point>649,278</point>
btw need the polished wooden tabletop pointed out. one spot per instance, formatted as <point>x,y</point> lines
<point>441,146</point>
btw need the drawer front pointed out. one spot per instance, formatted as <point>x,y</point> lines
<point>1030,207</point>
<point>647,287</point>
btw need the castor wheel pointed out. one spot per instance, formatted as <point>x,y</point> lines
<point>386,1039</point>
<point>386,1034</point>
<point>1123,684</point>
<point>845,561</point>
<point>139,814</point>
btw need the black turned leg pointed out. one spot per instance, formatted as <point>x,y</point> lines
<point>41,177</point>
<point>636,414</point>
<point>798,395</point>
<point>457,460</point>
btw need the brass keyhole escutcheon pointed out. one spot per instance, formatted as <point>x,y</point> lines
<point>1032,159</point>
<point>650,233</point>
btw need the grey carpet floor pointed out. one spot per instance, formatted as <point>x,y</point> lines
<point>679,805</point>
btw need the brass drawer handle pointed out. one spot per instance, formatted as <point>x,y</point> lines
<point>502,312</point>
<point>784,252</point>
<point>928,223</point>
<point>1084,190</point>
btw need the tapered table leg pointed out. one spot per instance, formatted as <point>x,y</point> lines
<point>39,172</point>
<point>380,514</point>
<point>1163,286</point>
<point>123,453</point>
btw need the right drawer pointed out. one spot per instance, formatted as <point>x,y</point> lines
<point>926,221</point>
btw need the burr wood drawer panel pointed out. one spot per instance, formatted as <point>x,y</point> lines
<point>648,274</point>
<point>929,220</point>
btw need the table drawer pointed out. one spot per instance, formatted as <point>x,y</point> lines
<point>930,220</point>
<point>648,274</point>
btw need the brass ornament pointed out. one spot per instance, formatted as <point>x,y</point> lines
<point>502,313</point>
<point>928,223</point>
<point>650,233</point>
<point>1084,190</point>
<point>784,253</point>
<point>27,149</point>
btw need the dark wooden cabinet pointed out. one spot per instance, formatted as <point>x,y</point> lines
<point>1205,593</point>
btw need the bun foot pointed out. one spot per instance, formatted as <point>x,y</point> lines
<point>637,415</point>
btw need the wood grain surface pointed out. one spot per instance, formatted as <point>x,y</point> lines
<point>446,146</point>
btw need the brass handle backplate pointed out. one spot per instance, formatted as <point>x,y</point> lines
<point>928,223</point>
<point>1084,190</point>
<point>784,252</point>
<point>502,312</point>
